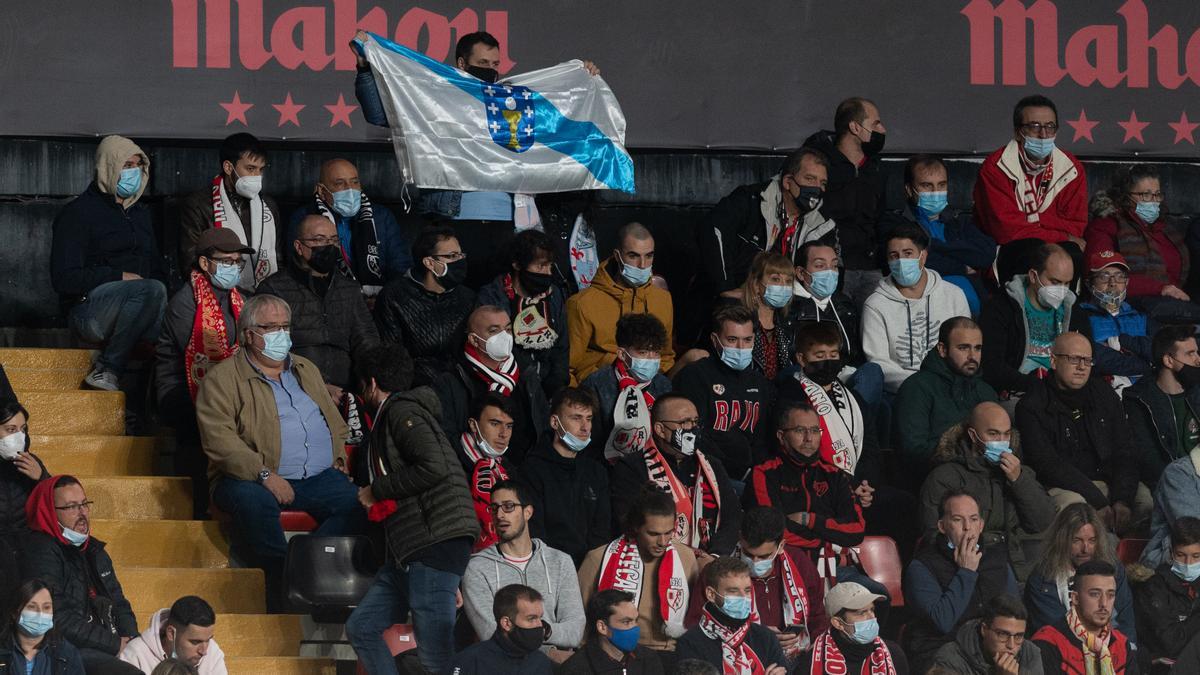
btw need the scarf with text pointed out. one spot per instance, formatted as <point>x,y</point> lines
<point>209,342</point>
<point>1036,185</point>
<point>737,658</point>
<point>795,604</point>
<point>827,657</point>
<point>362,263</point>
<point>502,381</point>
<point>841,442</point>
<point>691,527</point>
<point>531,328</point>
<point>486,471</point>
<point>631,415</point>
<point>263,261</point>
<point>622,568</point>
<point>1096,657</point>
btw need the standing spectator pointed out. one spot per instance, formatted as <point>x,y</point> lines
<point>725,636</point>
<point>1164,410</point>
<point>1029,187</point>
<point>104,261</point>
<point>483,450</point>
<point>419,493</point>
<point>514,646</point>
<point>20,471</point>
<point>1086,640</point>
<point>612,639</point>
<point>993,643</point>
<point>767,293</point>
<point>184,631</point>
<point>816,297</point>
<point>29,642</point>
<point>1118,331</point>
<point>1166,604</point>
<point>852,644</point>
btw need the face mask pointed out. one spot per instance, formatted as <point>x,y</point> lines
<point>625,639</point>
<point>276,345</point>
<point>1147,211</point>
<point>528,640</point>
<point>823,372</point>
<point>452,274</point>
<point>906,272</point>
<point>129,182</point>
<point>535,283</point>
<point>685,441</point>
<point>824,283</point>
<point>759,568</point>
<point>1188,376</point>
<point>865,631</point>
<point>573,442</point>
<point>73,537</point>
<point>1039,148</point>
<point>636,276</point>
<point>12,445</point>
<point>874,145</point>
<point>248,186</point>
<point>994,450</point>
<point>738,359</point>
<point>931,204</point>
<point>644,370</point>
<point>324,259</point>
<point>226,276</point>
<point>736,607</point>
<point>808,198</point>
<point>1111,302</point>
<point>489,75</point>
<point>499,346</point>
<point>1186,571</point>
<point>1051,296</point>
<point>35,624</point>
<point>778,296</point>
<point>347,202</point>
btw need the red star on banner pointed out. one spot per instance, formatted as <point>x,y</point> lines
<point>1184,129</point>
<point>340,112</point>
<point>236,110</point>
<point>289,111</point>
<point>1083,127</point>
<point>1133,128</point>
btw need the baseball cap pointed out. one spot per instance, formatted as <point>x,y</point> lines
<point>1098,260</point>
<point>221,239</point>
<point>849,595</point>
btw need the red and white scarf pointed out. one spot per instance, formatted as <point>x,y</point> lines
<point>263,261</point>
<point>737,658</point>
<point>486,472</point>
<point>502,381</point>
<point>631,415</point>
<point>1096,657</point>
<point>622,568</point>
<point>795,604</point>
<point>841,441</point>
<point>828,658</point>
<point>531,328</point>
<point>1036,185</point>
<point>691,527</point>
<point>209,342</point>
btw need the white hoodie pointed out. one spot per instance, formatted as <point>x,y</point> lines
<point>898,332</point>
<point>145,651</point>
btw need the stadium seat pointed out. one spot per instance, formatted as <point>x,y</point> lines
<point>1129,551</point>
<point>297,521</point>
<point>399,639</point>
<point>327,576</point>
<point>880,559</point>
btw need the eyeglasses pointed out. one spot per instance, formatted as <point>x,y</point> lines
<point>1119,277</point>
<point>803,431</point>
<point>1148,196</point>
<point>452,257</point>
<point>314,242</point>
<point>271,328</point>
<point>76,508</point>
<point>1085,361</point>
<point>1007,637</point>
<point>240,263</point>
<point>507,507</point>
<point>1036,128</point>
<point>689,422</point>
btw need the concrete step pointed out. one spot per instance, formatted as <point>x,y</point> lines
<point>140,497</point>
<point>88,455</point>
<point>164,543</point>
<point>75,412</point>
<point>229,591</point>
<point>45,359</point>
<point>259,634</point>
<point>25,380</point>
<point>274,665</point>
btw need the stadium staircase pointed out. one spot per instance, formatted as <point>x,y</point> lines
<point>143,514</point>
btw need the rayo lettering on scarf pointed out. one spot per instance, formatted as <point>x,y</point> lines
<point>815,393</point>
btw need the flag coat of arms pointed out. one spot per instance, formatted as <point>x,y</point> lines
<point>550,130</point>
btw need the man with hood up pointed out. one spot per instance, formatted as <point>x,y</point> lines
<point>104,262</point>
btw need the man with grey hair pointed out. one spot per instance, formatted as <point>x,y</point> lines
<point>274,439</point>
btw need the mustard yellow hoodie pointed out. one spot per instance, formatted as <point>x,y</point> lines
<point>110,159</point>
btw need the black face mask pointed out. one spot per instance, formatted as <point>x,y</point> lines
<point>535,283</point>
<point>324,259</point>
<point>455,274</point>
<point>823,372</point>
<point>1188,376</point>
<point>808,198</point>
<point>489,75</point>
<point>528,640</point>
<point>874,145</point>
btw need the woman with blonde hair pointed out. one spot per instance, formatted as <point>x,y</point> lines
<point>767,293</point>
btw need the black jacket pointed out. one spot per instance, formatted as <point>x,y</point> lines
<point>591,659</point>
<point>1168,614</point>
<point>571,508</point>
<point>71,573</point>
<point>14,492</point>
<point>459,387</point>
<point>170,380</point>
<point>1152,425</point>
<point>813,487</point>
<point>840,311</point>
<point>331,324</point>
<point>95,240</point>
<point>550,364</point>
<point>964,244</point>
<point>854,200</point>
<point>1070,455</point>
<point>431,326</point>
<point>694,644</point>
<point>63,657</point>
<point>498,656</point>
<point>735,410</point>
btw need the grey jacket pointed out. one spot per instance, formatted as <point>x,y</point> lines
<point>965,656</point>
<point>1177,495</point>
<point>550,571</point>
<point>170,378</point>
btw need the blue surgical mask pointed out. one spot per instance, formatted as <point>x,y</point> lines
<point>759,568</point>
<point>625,639</point>
<point>276,345</point>
<point>736,607</point>
<point>644,370</point>
<point>347,202</point>
<point>931,204</point>
<point>226,276</point>
<point>636,276</point>
<point>1148,211</point>
<point>1186,571</point>
<point>777,296</point>
<point>74,537</point>
<point>129,182</point>
<point>1039,148</point>
<point>906,272</point>
<point>35,624</point>
<point>738,359</point>
<point>573,442</point>
<point>994,450</point>
<point>865,631</point>
<point>824,283</point>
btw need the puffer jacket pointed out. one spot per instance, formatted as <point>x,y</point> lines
<point>14,492</point>
<point>934,399</point>
<point>551,364</point>
<point>965,656</point>
<point>329,329</point>
<point>1168,612</point>
<point>56,656</point>
<point>459,387</point>
<point>429,325</point>
<point>854,198</point>
<point>1152,424</point>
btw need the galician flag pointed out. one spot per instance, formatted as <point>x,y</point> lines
<point>550,130</point>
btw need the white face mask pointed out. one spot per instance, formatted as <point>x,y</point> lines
<point>248,186</point>
<point>12,445</point>
<point>499,346</point>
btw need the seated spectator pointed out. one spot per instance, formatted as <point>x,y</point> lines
<point>980,457</point>
<point>104,261</point>
<point>952,577</point>
<point>941,394</point>
<point>1166,603</point>
<point>1164,410</point>
<point>514,647</point>
<point>627,390</point>
<point>20,471</point>
<point>725,636</point>
<point>274,439</point>
<point>852,644</point>
<point>648,562</point>
<point>517,557</point>
<point>1076,536</point>
<point>1029,187</point>
<point>611,643</point>
<point>1119,332</point>
<point>766,293</point>
<point>537,305</point>
<point>706,504</point>
<point>733,399</point>
<point>957,249</point>
<point>331,324</point>
<point>419,493</point>
<point>1075,436</point>
<point>184,632</point>
<point>815,297</point>
<point>90,609</point>
<point>1023,321</point>
<point>568,490</point>
<point>29,640</point>
<point>621,286</point>
<point>487,364</point>
<point>902,317</point>
<point>426,310</point>
<point>1087,640</point>
<point>993,643</point>
<point>777,216</point>
<point>1176,496</point>
<point>483,452</point>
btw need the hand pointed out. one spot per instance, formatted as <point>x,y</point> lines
<point>787,639</point>
<point>1007,664</point>
<point>1122,516</point>
<point>592,69</point>
<point>361,36</point>
<point>28,466</point>
<point>559,655</point>
<point>966,553</point>
<point>1011,466</point>
<point>130,276</point>
<point>280,488</point>
<point>800,518</point>
<point>458,601</point>
<point>865,494</point>
<point>1175,292</point>
<point>335,392</point>
<point>124,641</point>
<point>340,465</point>
<point>366,497</point>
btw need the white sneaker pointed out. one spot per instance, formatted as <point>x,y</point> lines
<point>101,378</point>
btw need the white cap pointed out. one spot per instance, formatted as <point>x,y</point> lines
<point>849,595</point>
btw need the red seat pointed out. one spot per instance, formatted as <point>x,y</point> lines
<point>880,559</point>
<point>399,639</point>
<point>1129,551</point>
<point>297,521</point>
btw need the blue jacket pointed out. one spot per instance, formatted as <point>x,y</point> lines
<point>395,246</point>
<point>1045,607</point>
<point>1131,326</point>
<point>963,244</point>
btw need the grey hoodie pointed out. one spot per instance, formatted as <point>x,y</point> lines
<point>550,571</point>
<point>964,656</point>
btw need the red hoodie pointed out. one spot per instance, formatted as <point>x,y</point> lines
<point>40,513</point>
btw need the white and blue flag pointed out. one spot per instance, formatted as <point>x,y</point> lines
<point>550,130</point>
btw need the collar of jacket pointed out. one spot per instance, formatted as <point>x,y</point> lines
<point>248,371</point>
<point>1064,170</point>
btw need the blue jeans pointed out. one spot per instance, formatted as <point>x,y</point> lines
<point>426,592</point>
<point>119,314</point>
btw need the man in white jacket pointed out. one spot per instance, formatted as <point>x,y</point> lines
<point>901,318</point>
<point>185,632</point>
<point>519,559</point>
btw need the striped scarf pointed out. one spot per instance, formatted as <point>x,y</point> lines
<point>1096,657</point>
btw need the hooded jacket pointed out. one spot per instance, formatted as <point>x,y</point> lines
<point>898,332</point>
<point>930,402</point>
<point>998,209</point>
<point>549,571</point>
<point>965,656</point>
<point>1153,426</point>
<point>854,199</point>
<point>1168,612</point>
<point>571,507</point>
<point>838,308</point>
<point>1177,495</point>
<point>429,325</point>
<point>592,319</point>
<point>1005,327</point>
<point>145,651</point>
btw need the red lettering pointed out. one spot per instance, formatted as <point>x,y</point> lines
<point>184,18</point>
<point>311,51</point>
<point>217,40</point>
<point>1105,70</point>
<point>1012,16</point>
<point>1165,44</point>
<point>736,415</point>
<point>435,26</point>
<point>346,22</point>
<point>251,50</point>
<point>721,423</point>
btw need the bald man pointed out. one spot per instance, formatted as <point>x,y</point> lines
<point>1077,438</point>
<point>488,364</point>
<point>982,456</point>
<point>375,249</point>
